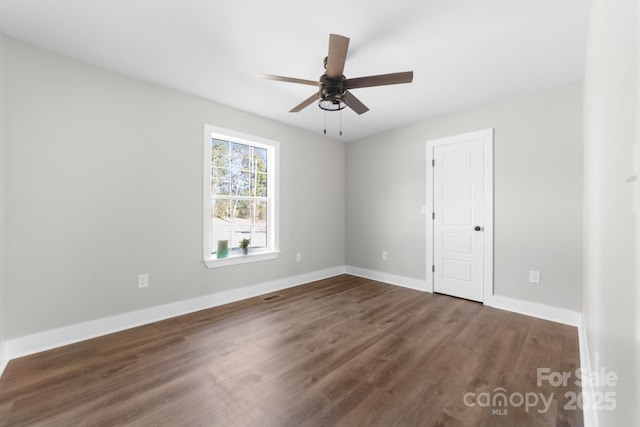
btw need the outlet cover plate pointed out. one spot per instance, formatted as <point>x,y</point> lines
<point>534,276</point>
<point>143,280</point>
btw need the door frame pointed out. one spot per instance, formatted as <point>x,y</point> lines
<point>486,138</point>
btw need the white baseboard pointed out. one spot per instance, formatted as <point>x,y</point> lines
<point>406,282</point>
<point>590,416</point>
<point>3,358</point>
<point>46,340</point>
<point>541,311</point>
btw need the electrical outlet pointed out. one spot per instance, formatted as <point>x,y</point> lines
<point>534,276</point>
<point>298,257</point>
<point>143,280</point>
<point>385,255</point>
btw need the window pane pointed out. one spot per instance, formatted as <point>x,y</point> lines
<point>260,157</point>
<point>220,223</point>
<point>259,172</point>
<point>232,220</point>
<point>259,184</point>
<point>220,179</point>
<point>259,237</point>
<point>241,222</point>
<point>241,183</point>
<point>239,157</point>
<point>239,165</point>
<point>241,212</point>
<point>219,153</point>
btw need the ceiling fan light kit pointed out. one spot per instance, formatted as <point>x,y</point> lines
<point>333,87</point>
<point>331,104</point>
<point>331,93</point>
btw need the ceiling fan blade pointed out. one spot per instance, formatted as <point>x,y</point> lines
<point>379,80</point>
<point>354,103</point>
<point>338,46</point>
<point>287,79</point>
<point>305,103</point>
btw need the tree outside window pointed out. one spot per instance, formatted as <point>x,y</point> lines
<point>239,194</point>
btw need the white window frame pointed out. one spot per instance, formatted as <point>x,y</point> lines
<point>273,147</point>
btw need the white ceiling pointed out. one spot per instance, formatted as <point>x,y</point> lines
<point>463,53</point>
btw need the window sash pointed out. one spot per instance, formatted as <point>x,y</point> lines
<point>238,228</point>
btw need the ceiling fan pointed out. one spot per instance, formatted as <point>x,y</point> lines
<point>333,87</point>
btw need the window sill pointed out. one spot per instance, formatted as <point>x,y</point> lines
<point>240,259</point>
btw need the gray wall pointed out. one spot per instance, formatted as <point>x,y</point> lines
<point>537,195</point>
<point>2,192</point>
<point>610,231</point>
<point>105,182</point>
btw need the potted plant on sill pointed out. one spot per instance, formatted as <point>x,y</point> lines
<point>244,245</point>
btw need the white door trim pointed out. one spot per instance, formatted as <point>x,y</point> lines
<point>487,141</point>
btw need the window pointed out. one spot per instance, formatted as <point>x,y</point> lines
<point>239,198</point>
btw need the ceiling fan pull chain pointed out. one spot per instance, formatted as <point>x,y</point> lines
<point>325,122</point>
<point>340,122</point>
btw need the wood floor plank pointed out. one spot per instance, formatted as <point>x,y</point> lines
<point>343,351</point>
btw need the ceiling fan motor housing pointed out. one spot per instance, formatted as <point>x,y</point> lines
<point>331,93</point>
<point>332,88</point>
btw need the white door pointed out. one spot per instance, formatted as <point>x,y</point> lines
<point>459,217</point>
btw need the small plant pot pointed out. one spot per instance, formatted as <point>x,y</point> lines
<point>245,251</point>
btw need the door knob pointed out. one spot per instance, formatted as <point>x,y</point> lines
<point>477,228</point>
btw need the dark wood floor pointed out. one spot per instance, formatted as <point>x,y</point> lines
<point>344,351</point>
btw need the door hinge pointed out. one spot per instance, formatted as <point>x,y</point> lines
<point>433,162</point>
<point>433,215</point>
<point>433,268</point>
